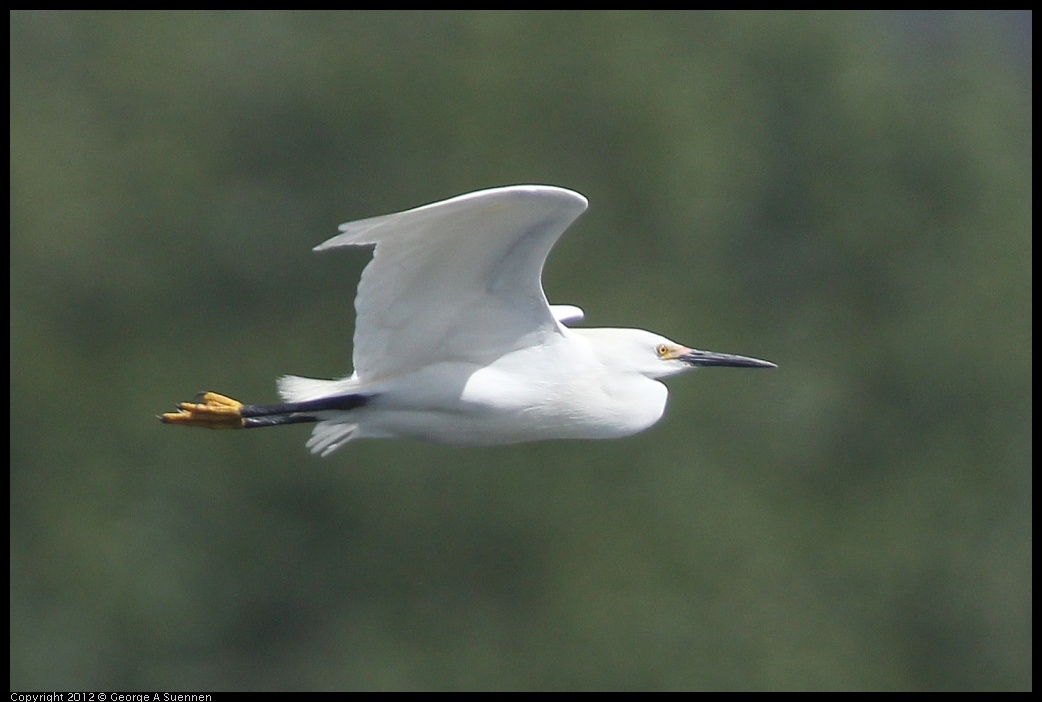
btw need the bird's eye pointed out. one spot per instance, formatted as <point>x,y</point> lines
<point>662,350</point>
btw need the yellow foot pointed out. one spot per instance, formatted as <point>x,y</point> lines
<point>214,412</point>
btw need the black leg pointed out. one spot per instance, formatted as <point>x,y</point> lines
<point>325,404</point>
<point>277,420</point>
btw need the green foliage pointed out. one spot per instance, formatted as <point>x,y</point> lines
<point>846,194</point>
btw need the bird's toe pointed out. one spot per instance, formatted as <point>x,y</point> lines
<point>216,411</point>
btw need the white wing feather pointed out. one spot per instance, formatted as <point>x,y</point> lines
<point>567,314</point>
<point>458,279</point>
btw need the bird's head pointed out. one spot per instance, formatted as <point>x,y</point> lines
<point>655,356</point>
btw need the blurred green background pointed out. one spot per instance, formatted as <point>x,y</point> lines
<point>847,195</point>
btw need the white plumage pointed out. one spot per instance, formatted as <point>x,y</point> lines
<point>455,341</point>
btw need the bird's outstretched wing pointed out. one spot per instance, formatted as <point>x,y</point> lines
<point>456,280</point>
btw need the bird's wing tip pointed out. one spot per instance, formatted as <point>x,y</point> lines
<point>554,191</point>
<point>361,232</point>
<point>567,314</point>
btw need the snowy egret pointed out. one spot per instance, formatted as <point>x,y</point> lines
<point>456,343</point>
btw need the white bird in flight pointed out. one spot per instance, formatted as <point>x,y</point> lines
<point>456,343</point>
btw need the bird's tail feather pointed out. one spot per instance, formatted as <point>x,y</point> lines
<point>293,388</point>
<point>328,436</point>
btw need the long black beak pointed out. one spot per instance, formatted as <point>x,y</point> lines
<point>708,358</point>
